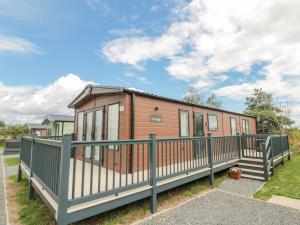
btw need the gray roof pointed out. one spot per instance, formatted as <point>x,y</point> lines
<point>64,118</point>
<point>35,126</point>
<point>92,90</point>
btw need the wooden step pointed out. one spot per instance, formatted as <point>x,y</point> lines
<point>252,172</point>
<point>253,177</point>
<point>251,166</point>
<point>251,161</point>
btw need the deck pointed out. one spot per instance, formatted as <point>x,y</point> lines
<point>74,189</point>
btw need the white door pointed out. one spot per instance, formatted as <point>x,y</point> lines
<point>88,132</point>
<point>98,129</point>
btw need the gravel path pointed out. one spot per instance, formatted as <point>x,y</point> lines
<point>244,187</point>
<point>231,203</point>
<point>2,197</point>
<point>218,207</point>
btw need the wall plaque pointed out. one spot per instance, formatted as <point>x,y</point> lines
<point>156,118</point>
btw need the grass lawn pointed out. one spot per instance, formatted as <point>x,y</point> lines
<point>36,213</point>
<point>12,161</point>
<point>286,181</point>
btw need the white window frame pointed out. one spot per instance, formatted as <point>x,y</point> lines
<point>184,131</point>
<point>233,132</point>
<point>246,129</point>
<point>209,122</point>
<point>115,119</point>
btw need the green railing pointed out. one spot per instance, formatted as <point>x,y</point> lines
<point>79,172</point>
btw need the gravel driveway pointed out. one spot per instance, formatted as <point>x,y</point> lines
<point>221,207</point>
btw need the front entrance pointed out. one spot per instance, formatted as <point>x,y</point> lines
<point>90,128</point>
<point>199,145</point>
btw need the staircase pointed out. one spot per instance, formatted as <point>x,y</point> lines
<point>252,168</point>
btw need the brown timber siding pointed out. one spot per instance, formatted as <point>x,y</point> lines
<point>168,128</point>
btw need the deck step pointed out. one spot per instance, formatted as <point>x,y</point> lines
<point>252,172</point>
<point>251,161</point>
<point>253,177</point>
<point>251,166</point>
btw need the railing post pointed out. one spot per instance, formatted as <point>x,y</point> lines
<point>282,150</point>
<point>288,144</point>
<point>31,189</point>
<point>19,168</point>
<point>264,149</point>
<point>272,157</point>
<point>242,144</point>
<point>153,200</point>
<point>239,145</point>
<point>210,159</point>
<point>62,216</point>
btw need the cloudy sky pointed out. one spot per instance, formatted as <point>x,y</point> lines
<point>49,50</point>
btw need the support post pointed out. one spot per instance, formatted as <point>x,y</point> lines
<point>288,143</point>
<point>210,159</point>
<point>31,189</point>
<point>153,197</point>
<point>264,149</point>
<point>282,150</point>
<point>272,158</point>
<point>62,211</point>
<point>19,168</point>
<point>239,145</point>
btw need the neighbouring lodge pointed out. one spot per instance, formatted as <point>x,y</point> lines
<point>58,125</point>
<point>37,129</point>
<point>116,113</point>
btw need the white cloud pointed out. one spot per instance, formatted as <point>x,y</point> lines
<point>17,45</point>
<point>144,80</point>
<point>212,37</point>
<point>31,103</point>
<point>126,32</point>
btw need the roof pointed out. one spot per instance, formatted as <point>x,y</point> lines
<point>93,90</point>
<point>35,126</point>
<point>61,118</point>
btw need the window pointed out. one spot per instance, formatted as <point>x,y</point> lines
<point>184,123</point>
<point>80,126</point>
<point>198,124</point>
<point>233,125</point>
<point>113,122</point>
<point>245,126</point>
<point>212,122</point>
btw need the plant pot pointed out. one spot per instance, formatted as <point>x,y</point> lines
<point>236,176</point>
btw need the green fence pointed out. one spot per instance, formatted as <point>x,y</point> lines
<point>77,173</point>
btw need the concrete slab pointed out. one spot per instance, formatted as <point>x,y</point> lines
<point>285,201</point>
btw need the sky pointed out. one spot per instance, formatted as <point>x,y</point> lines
<point>50,50</point>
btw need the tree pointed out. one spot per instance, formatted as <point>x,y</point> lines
<point>15,131</point>
<point>2,124</point>
<point>193,96</point>
<point>213,102</point>
<point>270,118</point>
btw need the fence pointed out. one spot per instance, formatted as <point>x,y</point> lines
<point>12,146</point>
<point>79,179</point>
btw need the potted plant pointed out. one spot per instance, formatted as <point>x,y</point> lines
<point>235,173</point>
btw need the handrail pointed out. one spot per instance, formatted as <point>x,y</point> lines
<point>108,142</point>
<point>55,143</point>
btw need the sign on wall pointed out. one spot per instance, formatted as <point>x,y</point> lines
<point>156,118</point>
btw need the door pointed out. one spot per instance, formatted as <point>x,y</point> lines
<point>198,124</point>
<point>199,144</point>
<point>98,130</point>
<point>89,132</point>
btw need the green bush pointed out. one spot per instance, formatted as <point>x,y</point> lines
<point>294,140</point>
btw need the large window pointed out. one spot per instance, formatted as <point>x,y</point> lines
<point>184,123</point>
<point>212,122</point>
<point>233,125</point>
<point>80,126</point>
<point>246,129</point>
<point>113,122</point>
